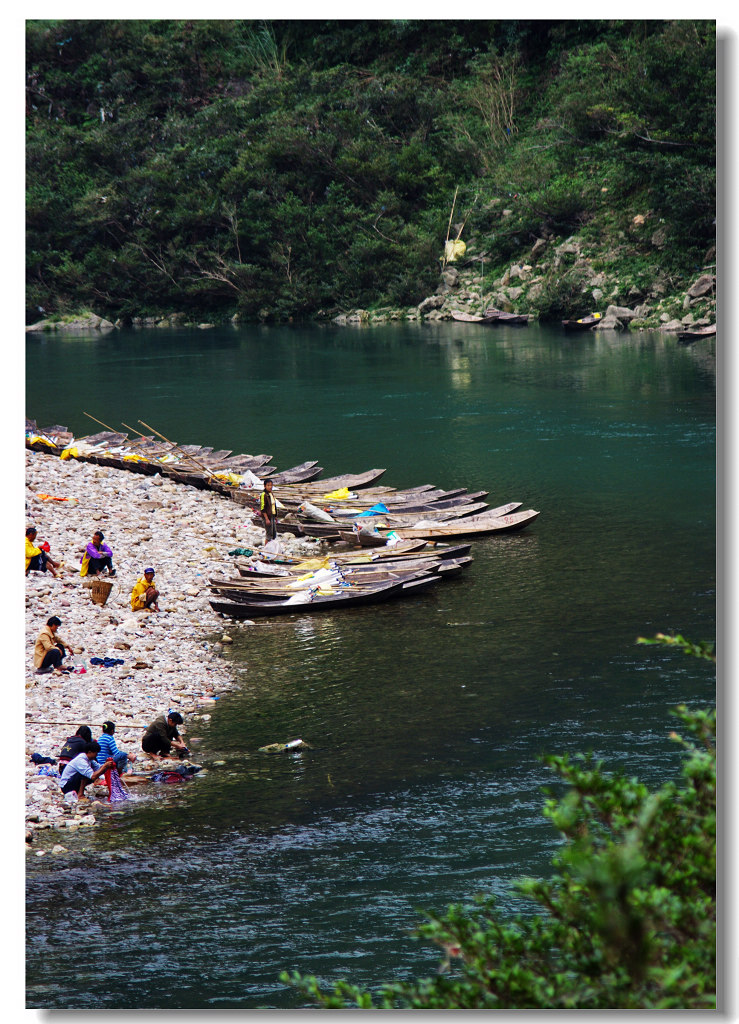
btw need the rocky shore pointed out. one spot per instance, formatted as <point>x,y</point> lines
<point>627,301</point>
<point>169,660</point>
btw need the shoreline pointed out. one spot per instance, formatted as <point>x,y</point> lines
<point>171,659</point>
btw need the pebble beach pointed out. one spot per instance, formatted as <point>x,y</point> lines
<point>169,660</point>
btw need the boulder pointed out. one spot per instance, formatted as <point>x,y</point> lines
<point>705,284</point>
<point>609,323</point>
<point>432,302</point>
<point>672,325</point>
<point>621,313</point>
<point>538,247</point>
<point>87,322</point>
<point>450,279</point>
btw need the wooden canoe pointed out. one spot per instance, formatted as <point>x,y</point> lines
<point>408,518</point>
<point>491,317</point>
<point>495,316</point>
<point>467,318</point>
<point>473,526</point>
<point>346,599</point>
<point>697,332</point>
<point>353,578</point>
<point>585,323</point>
<point>352,481</point>
<point>401,529</point>
<point>386,554</point>
<point>298,474</point>
<point>397,551</point>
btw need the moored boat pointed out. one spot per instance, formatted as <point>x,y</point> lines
<point>472,526</point>
<point>692,334</point>
<point>308,602</point>
<point>495,316</point>
<point>585,323</point>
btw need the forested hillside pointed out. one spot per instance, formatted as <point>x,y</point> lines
<point>288,168</point>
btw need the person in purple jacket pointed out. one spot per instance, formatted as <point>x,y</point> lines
<point>97,556</point>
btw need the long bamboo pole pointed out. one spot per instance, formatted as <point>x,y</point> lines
<point>205,469</point>
<point>449,225</point>
<point>100,422</point>
<point>129,427</point>
<point>110,428</point>
<point>126,725</point>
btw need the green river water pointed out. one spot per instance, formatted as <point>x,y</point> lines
<point>426,716</point>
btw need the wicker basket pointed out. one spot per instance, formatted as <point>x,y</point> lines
<point>100,591</point>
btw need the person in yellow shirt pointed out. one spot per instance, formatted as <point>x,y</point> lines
<point>38,557</point>
<point>49,649</point>
<point>144,594</point>
<point>268,510</point>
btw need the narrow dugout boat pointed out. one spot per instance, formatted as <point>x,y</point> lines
<point>697,332</point>
<point>424,524</point>
<point>316,603</point>
<point>495,316</point>
<point>476,525</point>
<point>280,590</point>
<point>285,565</point>
<point>585,323</point>
<point>262,560</point>
<point>491,317</point>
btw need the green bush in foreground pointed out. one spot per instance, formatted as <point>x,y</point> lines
<point>629,913</point>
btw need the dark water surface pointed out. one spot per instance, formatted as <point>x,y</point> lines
<point>427,716</point>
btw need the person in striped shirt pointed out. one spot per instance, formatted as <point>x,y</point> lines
<point>109,748</point>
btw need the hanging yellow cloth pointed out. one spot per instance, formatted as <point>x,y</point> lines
<point>454,250</point>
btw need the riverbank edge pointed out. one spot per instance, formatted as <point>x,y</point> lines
<point>169,660</point>
<point>625,303</point>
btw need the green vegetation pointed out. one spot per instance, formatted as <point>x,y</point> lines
<point>628,917</point>
<point>218,168</point>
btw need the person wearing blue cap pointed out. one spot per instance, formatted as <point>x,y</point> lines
<point>144,594</point>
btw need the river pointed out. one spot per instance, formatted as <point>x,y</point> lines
<point>426,717</point>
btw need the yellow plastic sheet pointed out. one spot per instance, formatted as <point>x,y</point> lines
<point>341,494</point>
<point>70,453</point>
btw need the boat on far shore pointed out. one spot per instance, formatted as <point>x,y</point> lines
<point>697,332</point>
<point>491,317</point>
<point>585,323</point>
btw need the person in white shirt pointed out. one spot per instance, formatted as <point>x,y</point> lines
<point>83,769</point>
